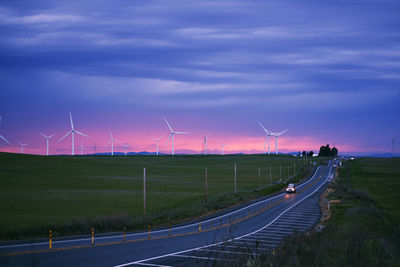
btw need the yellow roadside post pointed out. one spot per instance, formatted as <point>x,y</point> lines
<point>50,241</point>
<point>200,227</point>
<point>124,233</point>
<point>92,236</point>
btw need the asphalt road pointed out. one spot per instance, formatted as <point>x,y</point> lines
<point>251,229</point>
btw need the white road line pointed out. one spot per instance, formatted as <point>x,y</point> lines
<point>157,265</point>
<point>268,237</point>
<point>263,241</point>
<point>236,238</point>
<point>224,251</point>
<point>195,257</point>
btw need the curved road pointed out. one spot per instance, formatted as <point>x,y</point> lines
<point>251,229</point>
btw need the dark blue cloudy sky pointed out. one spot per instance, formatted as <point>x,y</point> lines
<point>329,71</point>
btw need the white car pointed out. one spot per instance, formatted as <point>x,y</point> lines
<point>291,189</point>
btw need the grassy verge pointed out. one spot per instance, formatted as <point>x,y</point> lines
<point>73,194</point>
<point>363,229</point>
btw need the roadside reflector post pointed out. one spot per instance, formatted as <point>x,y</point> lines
<point>50,241</point>
<point>235,179</point>
<point>149,231</point>
<point>92,236</point>
<point>170,230</point>
<point>124,233</point>
<point>200,227</point>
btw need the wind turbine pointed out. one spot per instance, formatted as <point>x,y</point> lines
<point>125,147</point>
<point>112,140</point>
<point>72,133</point>
<point>205,145</point>
<point>172,135</point>
<point>47,142</point>
<point>2,137</point>
<point>276,139</point>
<point>222,145</point>
<point>22,147</point>
<point>267,139</point>
<point>81,147</point>
<point>157,140</point>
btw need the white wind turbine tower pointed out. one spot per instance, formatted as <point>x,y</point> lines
<point>47,142</point>
<point>268,133</point>
<point>112,140</point>
<point>125,147</point>
<point>222,146</point>
<point>81,147</point>
<point>157,140</point>
<point>205,145</point>
<point>22,147</point>
<point>72,133</point>
<point>276,139</point>
<point>172,135</point>
<point>2,137</point>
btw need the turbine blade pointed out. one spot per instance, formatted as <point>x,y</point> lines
<point>181,132</point>
<point>110,134</point>
<point>282,132</point>
<point>70,118</point>
<point>43,135</point>
<point>5,140</point>
<point>262,126</point>
<point>65,136</point>
<point>109,141</point>
<point>169,126</point>
<point>51,136</point>
<point>169,138</point>
<point>266,139</point>
<point>81,133</point>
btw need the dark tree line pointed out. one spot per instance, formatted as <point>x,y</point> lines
<point>326,151</point>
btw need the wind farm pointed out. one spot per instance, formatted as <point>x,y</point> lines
<point>208,133</point>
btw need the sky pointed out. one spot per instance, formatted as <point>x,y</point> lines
<point>329,71</point>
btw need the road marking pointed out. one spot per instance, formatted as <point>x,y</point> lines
<point>157,265</point>
<point>194,257</point>
<point>225,251</point>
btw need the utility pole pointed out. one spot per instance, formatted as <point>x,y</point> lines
<point>270,175</point>
<point>205,186</point>
<point>294,169</point>
<point>235,179</point>
<point>144,193</point>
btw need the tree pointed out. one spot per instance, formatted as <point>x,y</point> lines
<point>334,151</point>
<point>304,153</point>
<point>310,153</point>
<point>326,151</point>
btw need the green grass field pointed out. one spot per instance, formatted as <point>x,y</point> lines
<point>62,191</point>
<point>380,178</point>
